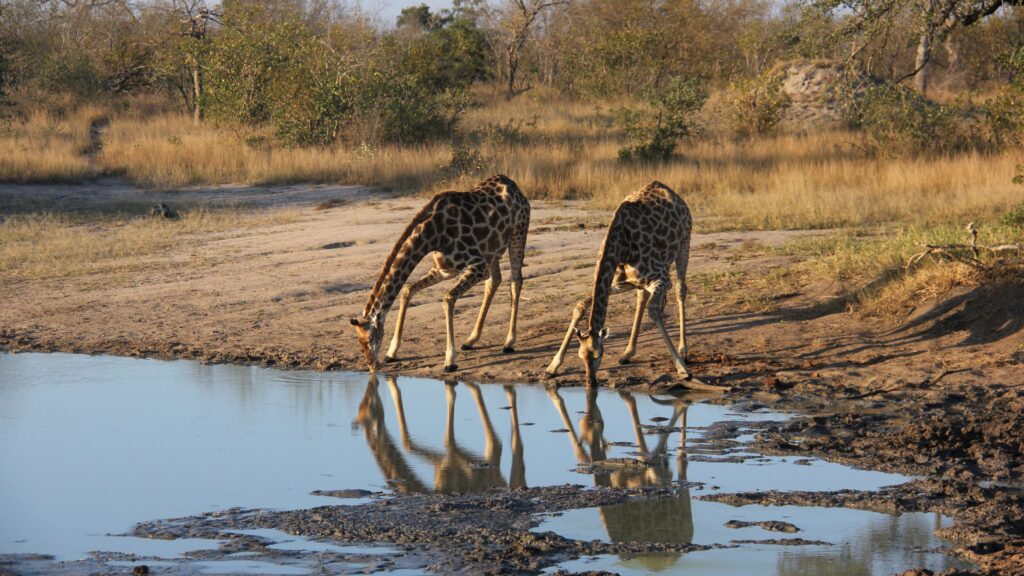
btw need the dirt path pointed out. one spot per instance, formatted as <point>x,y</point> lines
<point>283,295</point>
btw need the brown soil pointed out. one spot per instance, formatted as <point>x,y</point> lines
<point>941,394</point>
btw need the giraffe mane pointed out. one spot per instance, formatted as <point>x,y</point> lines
<point>418,219</point>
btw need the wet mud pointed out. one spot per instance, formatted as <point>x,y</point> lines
<point>488,533</point>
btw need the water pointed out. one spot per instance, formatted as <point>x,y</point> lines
<point>90,445</point>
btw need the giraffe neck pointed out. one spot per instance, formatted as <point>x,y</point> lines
<point>607,262</point>
<point>404,262</point>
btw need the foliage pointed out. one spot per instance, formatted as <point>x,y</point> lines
<point>895,119</point>
<point>654,133</point>
<point>277,71</point>
<point>1012,64</point>
<point>1014,217</point>
<point>441,50</point>
<point>466,160</point>
<point>757,105</point>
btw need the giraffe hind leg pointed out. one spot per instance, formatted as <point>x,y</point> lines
<point>489,289</point>
<point>682,262</point>
<point>656,310</point>
<point>516,255</point>
<point>473,274</point>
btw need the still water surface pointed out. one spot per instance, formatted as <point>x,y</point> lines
<point>91,445</point>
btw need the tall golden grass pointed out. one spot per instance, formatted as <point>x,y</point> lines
<point>47,147</point>
<point>555,149</point>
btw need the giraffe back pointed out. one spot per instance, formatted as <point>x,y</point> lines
<point>481,221</point>
<point>649,228</point>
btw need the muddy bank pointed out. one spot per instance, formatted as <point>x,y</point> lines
<point>471,533</point>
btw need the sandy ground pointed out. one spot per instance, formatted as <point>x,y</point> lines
<point>283,295</point>
<point>940,394</point>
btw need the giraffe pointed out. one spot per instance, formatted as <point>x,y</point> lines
<point>467,232</point>
<point>456,469</point>
<point>649,231</point>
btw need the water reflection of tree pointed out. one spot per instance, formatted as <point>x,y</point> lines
<point>888,541</point>
<point>668,520</point>
<point>456,469</point>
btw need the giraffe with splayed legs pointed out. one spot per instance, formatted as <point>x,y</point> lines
<point>649,232</point>
<point>467,232</point>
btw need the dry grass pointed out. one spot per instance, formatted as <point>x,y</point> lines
<point>868,269</point>
<point>167,151</point>
<point>555,149</point>
<point>47,147</point>
<point>50,246</point>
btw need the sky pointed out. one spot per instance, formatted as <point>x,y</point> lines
<point>388,10</point>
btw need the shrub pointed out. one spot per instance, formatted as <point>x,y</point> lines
<point>277,72</point>
<point>1014,217</point>
<point>895,119</point>
<point>654,133</point>
<point>1003,119</point>
<point>757,105</point>
<point>466,160</point>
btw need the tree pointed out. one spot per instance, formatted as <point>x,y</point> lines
<point>510,25</point>
<point>933,20</point>
<point>194,23</point>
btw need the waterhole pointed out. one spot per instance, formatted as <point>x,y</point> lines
<point>92,445</point>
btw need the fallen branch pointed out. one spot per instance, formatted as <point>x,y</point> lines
<point>924,383</point>
<point>947,251</point>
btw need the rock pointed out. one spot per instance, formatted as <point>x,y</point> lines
<point>162,210</point>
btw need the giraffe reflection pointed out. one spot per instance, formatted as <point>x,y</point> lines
<point>661,520</point>
<point>456,470</point>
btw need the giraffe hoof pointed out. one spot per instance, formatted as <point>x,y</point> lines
<point>467,346</point>
<point>451,368</point>
<point>508,349</point>
<point>548,374</point>
<point>390,359</point>
<point>624,360</point>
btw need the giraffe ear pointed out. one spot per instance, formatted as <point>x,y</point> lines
<point>579,333</point>
<point>604,333</point>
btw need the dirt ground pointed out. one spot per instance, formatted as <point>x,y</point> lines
<point>940,394</point>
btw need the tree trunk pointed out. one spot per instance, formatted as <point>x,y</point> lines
<point>921,63</point>
<point>512,59</point>
<point>197,92</point>
<point>953,56</point>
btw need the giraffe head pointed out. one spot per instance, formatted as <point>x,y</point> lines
<point>591,351</point>
<point>370,333</point>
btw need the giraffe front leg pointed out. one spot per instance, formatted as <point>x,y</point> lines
<point>473,275</point>
<point>489,289</point>
<point>656,309</point>
<point>641,303</point>
<point>556,362</point>
<point>429,279</point>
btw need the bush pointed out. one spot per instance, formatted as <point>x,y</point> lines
<point>1014,217</point>
<point>1003,119</point>
<point>466,160</point>
<point>655,133</point>
<point>895,120</point>
<point>757,105</point>
<point>277,72</point>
